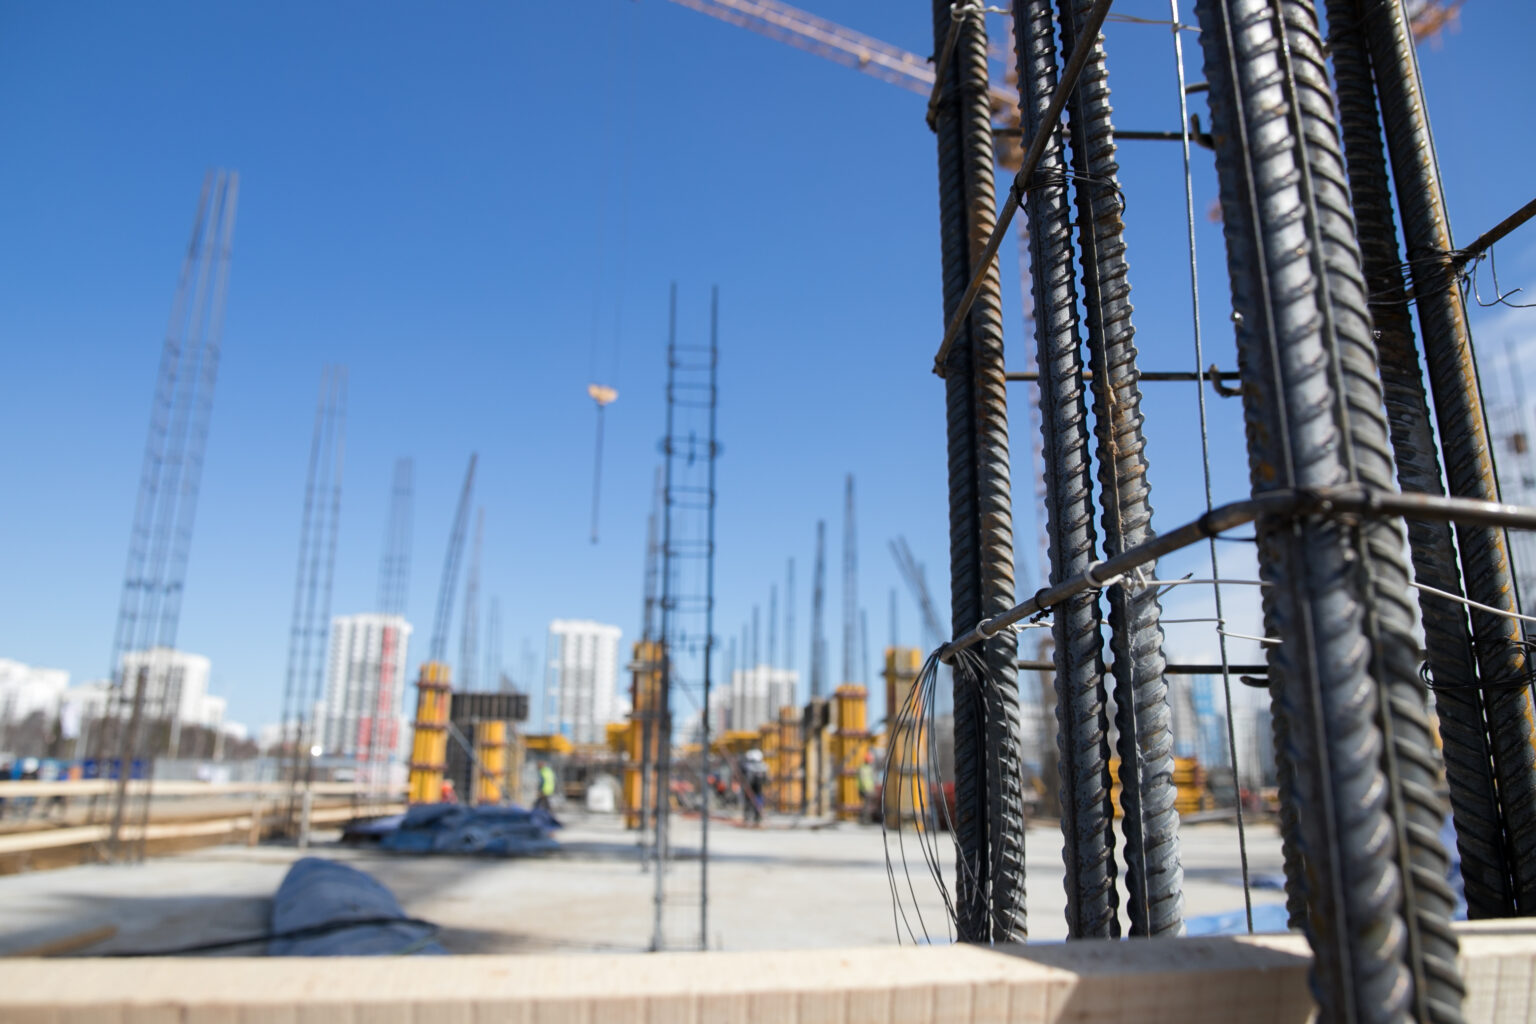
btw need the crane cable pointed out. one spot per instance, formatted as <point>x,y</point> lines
<point>604,394</point>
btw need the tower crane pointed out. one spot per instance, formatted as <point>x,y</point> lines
<point>603,396</point>
<point>850,586</point>
<point>429,745</point>
<point>439,646</point>
<point>469,638</point>
<point>878,59</point>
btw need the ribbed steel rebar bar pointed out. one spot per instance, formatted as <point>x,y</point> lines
<point>1291,859</point>
<point>1153,877</point>
<point>1312,399</point>
<point>989,801</point>
<point>1447,637</point>
<point>1463,429</point>
<point>1083,728</point>
<point>1410,761</point>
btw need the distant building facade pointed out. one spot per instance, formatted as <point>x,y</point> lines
<point>753,698</point>
<point>365,685</point>
<point>580,679</point>
<point>175,687</point>
<point>27,689</point>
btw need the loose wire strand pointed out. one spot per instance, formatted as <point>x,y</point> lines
<point>904,735</point>
<point>1275,641</point>
<point>1426,588</point>
<point>911,742</point>
<point>1205,447</point>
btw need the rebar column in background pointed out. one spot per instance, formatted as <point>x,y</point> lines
<point>1485,865</point>
<point>1149,821</point>
<point>989,800</point>
<point>1087,819</point>
<point>1363,769</point>
<point>661,847</point>
<point>1465,444</point>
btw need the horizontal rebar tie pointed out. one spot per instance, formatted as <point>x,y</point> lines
<point>1283,504</point>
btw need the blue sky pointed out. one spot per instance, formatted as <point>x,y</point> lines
<point>461,202</point>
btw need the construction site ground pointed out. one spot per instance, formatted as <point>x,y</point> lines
<point>785,886</point>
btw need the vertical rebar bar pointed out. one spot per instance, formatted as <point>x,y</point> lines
<point>1153,877</point>
<point>664,717</point>
<point>988,779</point>
<point>1083,729</point>
<point>709,621</point>
<point>989,826</point>
<point>1485,866</point>
<point>1364,769</point>
<point>1289,847</point>
<point>1465,444</point>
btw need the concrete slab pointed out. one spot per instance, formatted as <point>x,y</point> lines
<point>771,888</point>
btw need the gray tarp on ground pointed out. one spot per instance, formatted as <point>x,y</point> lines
<point>318,893</point>
<point>498,830</point>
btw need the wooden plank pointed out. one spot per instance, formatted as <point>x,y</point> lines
<point>174,787</point>
<point>1195,980</point>
<point>80,835</point>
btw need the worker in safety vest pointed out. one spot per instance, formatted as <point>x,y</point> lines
<point>546,787</point>
<point>867,786</point>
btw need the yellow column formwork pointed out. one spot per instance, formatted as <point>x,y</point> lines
<point>903,797</point>
<point>517,752</point>
<point>491,752</point>
<point>429,745</point>
<point>1188,782</point>
<point>768,743</point>
<point>790,776</point>
<point>850,742</point>
<point>645,699</point>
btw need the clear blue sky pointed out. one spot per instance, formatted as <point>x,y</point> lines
<point>454,200</point>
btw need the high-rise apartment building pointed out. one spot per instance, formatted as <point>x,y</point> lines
<point>580,679</point>
<point>175,688</point>
<point>27,689</point>
<point>365,686</point>
<point>753,698</point>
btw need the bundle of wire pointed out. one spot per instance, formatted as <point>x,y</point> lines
<point>912,759</point>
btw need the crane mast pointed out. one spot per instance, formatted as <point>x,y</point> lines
<point>439,646</point>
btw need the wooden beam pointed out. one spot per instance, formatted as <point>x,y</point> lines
<point>1162,981</point>
<point>79,835</point>
<point>175,787</point>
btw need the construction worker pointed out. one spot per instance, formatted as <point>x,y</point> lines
<point>755,775</point>
<point>867,787</point>
<point>546,788</point>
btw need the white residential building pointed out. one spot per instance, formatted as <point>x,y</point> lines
<point>25,689</point>
<point>365,684</point>
<point>176,687</point>
<point>753,697</point>
<point>580,679</point>
<point>79,706</point>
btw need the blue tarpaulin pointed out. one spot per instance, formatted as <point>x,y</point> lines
<point>498,830</point>
<point>318,894</point>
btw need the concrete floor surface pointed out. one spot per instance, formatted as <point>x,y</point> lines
<point>779,887</point>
